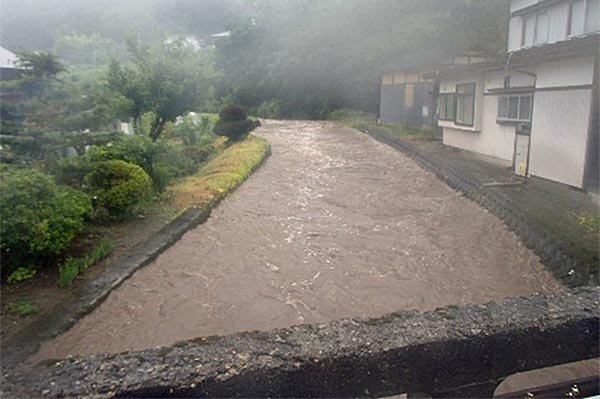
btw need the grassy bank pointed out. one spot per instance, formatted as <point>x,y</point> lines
<point>360,120</point>
<point>221,175</point>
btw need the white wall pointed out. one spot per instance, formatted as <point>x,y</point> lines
<point>491,138</point>
<point>559,135</point>
<point>570,72</point>
<point>560,121</point>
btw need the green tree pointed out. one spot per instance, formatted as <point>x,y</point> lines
<point>168,79</point>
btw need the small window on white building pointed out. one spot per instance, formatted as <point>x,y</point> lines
<point>592,16</point>
<point>446,106</point>
<point>465,104</point>
<point>585,17</point>
<point>541,28</point>
<point>529,31</point>
<point>515,108</point>
<point>577,17</point>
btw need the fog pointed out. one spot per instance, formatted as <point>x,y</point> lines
<point>307,54</point>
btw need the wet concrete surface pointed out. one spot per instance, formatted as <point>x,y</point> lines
<point>333,225</point>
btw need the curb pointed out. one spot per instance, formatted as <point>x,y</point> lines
<point>558,260</point>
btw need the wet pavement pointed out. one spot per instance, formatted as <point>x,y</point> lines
<point>333,225</point>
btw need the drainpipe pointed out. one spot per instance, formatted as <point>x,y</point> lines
<point>534,76</point>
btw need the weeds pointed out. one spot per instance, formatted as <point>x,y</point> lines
<point>22,309</point>
<point>74,266</point>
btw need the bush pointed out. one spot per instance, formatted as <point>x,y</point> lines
<point>22,309</point>
<point>69,271</point>
<point>118,186</point>
<point>232,113</point>
<point>269,109</point>
<point>21,274</point>
<point>191,130</point>
<point>39,218</point>
<point>236,130</point>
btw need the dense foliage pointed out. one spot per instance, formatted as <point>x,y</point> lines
<point>168,79</point>
<point>118,186</point>
<point>233,123</point>
<point>39,218</point>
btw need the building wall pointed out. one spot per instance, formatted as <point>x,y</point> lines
<point>412,105</point>
<point>516,5</point>
<point>557,25</point>
<point>561,120</point>
<point>486,137</point>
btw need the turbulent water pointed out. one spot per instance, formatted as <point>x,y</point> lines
<point>333,225</point>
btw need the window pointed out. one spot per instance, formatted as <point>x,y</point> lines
<point>528,31</point>
<point>446,106</point>
<point>592,16</point>
<point>515,108</point>
<point>465,104</point>
<point>585,17</point>
<point>577,17</point>
<point>541,28</point>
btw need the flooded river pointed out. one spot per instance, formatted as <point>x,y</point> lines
<point>333,225</point>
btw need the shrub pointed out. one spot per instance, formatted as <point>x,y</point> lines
<point>39,218</point>
<point>100,251</point>
<point>74,266</point>
<point>118,186</point>
<point>22,309</point>
<point>232,113</point>
<point>69,271</point>
<point>191,130</point>
<point>21,274</point>
<point>161,160</point>
<point>269,109</point>
<point>236,130</point>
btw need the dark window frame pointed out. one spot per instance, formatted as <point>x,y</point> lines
<point>443,100</point>
<point>464,95</point>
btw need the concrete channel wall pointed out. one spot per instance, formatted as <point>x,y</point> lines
<point>449,352</point>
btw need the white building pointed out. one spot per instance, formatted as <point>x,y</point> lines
<point>537,108</point>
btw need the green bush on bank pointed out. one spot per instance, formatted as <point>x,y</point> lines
<point>163,161</point>
<point>39,218</point>
<point>233,123</point>
<point>118,186</point>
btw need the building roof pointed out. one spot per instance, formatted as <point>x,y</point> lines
<point>575,46</point>
<point>8,59</point>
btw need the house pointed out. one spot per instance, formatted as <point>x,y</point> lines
<point>8,65</point>
<point>408,96</point>
<point>537,107</point>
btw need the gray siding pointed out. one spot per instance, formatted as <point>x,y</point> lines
<point>394,110</point>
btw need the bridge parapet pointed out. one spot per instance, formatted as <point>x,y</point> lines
<point>450,352</point>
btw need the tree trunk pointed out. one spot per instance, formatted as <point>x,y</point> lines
<point>157,127</point>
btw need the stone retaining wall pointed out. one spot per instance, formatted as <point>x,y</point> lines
<point>450,352</point>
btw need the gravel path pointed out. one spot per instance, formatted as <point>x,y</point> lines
<point>333,225</point>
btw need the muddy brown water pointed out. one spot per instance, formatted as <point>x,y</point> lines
<point>333,225</point>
